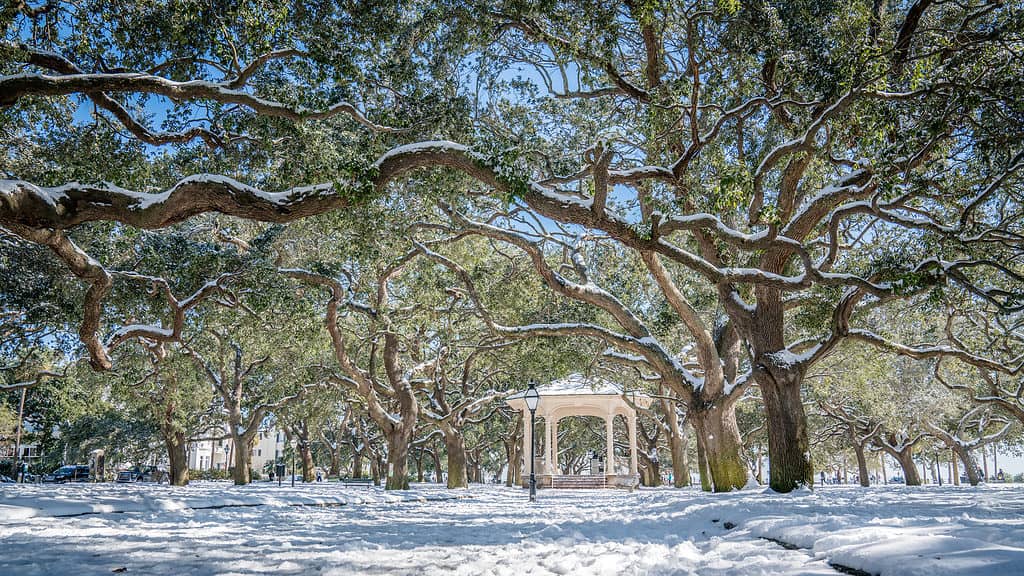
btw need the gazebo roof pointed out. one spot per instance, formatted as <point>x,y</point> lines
<point>576,385</point>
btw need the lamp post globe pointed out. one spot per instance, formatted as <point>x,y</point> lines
<point>532,399</point>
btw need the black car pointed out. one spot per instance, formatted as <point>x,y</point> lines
<point>143,474</point>
<point>70,473</point>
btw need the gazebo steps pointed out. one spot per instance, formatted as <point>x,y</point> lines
<point>578,482</point>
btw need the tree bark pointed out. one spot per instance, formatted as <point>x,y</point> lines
<point>473,472</point>
<point>716,430</point>
<point>335,469</point>
<point>419,466</point>
<point>678,448</point>
<point>650,472</point>
<point>241,473</point>
<point>514,454</point>
<point>702,465</point>
<point>512,462</point>
<point>357,464</point>
<point>970,466</point>
<point>788,446</point>
<point>375,470</point>
<point>399,440</point>
<point>960,451</point>
<point>177,456</point>
<point>438,470</point>
<point>306,457</point>
<point>905,459</point>
<point>455,446</point>
<point>862,461</point>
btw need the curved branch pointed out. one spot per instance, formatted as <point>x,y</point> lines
<point>15,87</point>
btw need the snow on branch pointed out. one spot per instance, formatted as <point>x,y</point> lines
<point>72,80</point>
<point>57,63</point>
<point>178,307</point>
<point>938,351</point>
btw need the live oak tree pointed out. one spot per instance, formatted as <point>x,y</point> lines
<point>708,385</point>
<point>457,398</point>
<point>385,353</point>
<point>764,148</point>
<point>252,377</point>
<point>970,430</point>
<point>303,422</point>
<point>169,392</point>
<point>336,434</point>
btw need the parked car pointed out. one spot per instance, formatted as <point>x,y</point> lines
<point>69,473</point>
<point>143,474</point>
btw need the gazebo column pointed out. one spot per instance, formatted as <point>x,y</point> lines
<point>554,446</point>
<point>548,445</point>
<point>632,445</point>
<point>609,464</point>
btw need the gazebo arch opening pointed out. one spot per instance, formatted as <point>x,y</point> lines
<point>581,445</point>
<point>577,395</point>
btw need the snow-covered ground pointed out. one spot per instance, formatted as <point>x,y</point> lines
<point>494,530</point>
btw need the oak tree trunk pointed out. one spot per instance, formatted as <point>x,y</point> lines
<point>650,472</point>
<point>513,456</point>
<point>455,446</point>
<point>677,445</point>
<point>357,464</point>
<point>970,466</point>
<point>716,430</point>
<point>862,462</point>
<point>177,456</point>
<point>306,456</point>
<point>905,459</point>
<point>788,448</point>
<point>375,470</point>
<point>399,440</point>
<point>335,469</point>
<point>438,471</point>
<point>702,465</point>
<point>241,473</point>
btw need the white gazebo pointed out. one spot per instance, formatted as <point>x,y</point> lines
<point>577,395</point>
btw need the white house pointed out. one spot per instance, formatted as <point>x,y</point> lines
<point>220,455</point>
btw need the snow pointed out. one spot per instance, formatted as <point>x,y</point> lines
<point>494,530</point>
<point>576,384</point>
<point>789,358</point>
<point>421,147</point>
<point>146,200</point>
<point>19,502</point>
<point>51,196</point>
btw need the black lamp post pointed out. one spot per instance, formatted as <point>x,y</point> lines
<point>532,398</point>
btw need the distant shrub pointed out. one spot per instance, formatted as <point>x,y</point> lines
<point>209,474</point>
